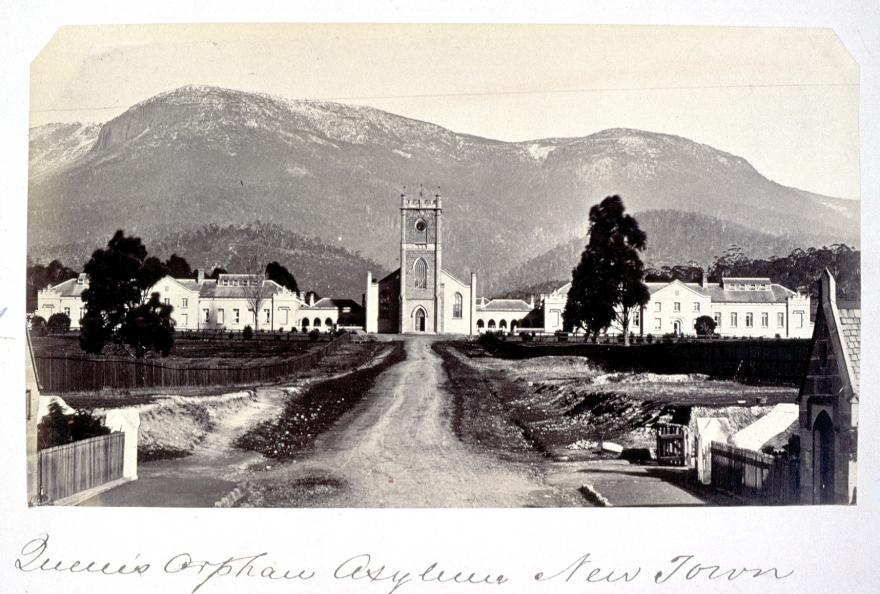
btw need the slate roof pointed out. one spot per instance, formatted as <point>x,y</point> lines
<point>68,288</point>
<point>210,289</point>
<point>773,294</point>
<point>851,337</point>
<point>506,305</point>
<point>334,304</point>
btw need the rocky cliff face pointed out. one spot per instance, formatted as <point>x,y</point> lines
<point>204,155</point>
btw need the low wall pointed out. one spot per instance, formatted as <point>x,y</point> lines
<point>754,360</point>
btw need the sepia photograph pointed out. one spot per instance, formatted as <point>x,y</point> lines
<point>442,266</point>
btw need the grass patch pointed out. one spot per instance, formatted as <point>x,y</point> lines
<point>315,411</point>
<point>483,409</point>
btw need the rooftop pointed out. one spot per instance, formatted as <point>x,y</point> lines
<point>505,305</point>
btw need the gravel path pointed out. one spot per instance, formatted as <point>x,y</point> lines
<point>397,449</point>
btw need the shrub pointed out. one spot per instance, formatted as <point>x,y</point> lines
<point>314,334</point>
<point>488,340</point>
<point>247,333</point>
<point>58,323</point>
<point>705,326</point>
<point>649,338</point>
<point>293,330</point>
<point>38,326</point>
<point>57,428</point>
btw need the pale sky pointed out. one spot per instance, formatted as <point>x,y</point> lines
<point>784,99</point>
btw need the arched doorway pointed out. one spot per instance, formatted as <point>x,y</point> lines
<point>823,459</point>
<point>419,320</point>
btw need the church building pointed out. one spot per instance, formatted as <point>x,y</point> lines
<point>420,296</point>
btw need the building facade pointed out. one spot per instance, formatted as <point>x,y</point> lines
<point>420,296</point>
<point>222,304</point>
<point>751,307</point>
<point>829,402</point>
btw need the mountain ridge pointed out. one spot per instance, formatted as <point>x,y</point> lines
<point>203,155</point>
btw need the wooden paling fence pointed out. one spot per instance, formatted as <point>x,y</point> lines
<point>68,469</point>
<point>68,374</point>
<point>753,475</point>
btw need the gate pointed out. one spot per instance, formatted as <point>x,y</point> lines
<point>672,443</point>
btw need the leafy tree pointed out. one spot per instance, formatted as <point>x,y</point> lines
<point>689,273</point>
<point>38,326</point>
<point>278,273</point>
<point>58,323</point>
<point>801,270</point>
<point>312,295</point>
<point>178,267</point>
<point>215,274</point>
<point>607,283</point>
<point>705,326</point>
<point>120,276</point>
<point>57,428</point>
<point>247,332</point>
<point>149,327</point>
<point>39,277</point>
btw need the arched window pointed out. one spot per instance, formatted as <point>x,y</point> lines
<point>480,324</point>
<point>420,274</point>
<point>491,323</point>
<point>502,324</point>
<point>317,322</point>
<point>328,322</point>
<point>513,325</point>
<point>456,305</point>
<point>305,322</point>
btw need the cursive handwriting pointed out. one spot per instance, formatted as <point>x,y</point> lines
<point>236,567</point>
<point>361,567</point>
<point>34,558</point>
<point>685,567</point>
<point>594,575</point>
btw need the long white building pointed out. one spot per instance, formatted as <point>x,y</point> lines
<point>208,304</point>
<point>740,307</point>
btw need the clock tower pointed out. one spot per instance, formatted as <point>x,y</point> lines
<point>421,301</point>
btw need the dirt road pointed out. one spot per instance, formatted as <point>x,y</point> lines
<point>397,449</point>
<point>210,472</point>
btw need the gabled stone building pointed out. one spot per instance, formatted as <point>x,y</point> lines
<point>421,296</point>
<point>829,402</point>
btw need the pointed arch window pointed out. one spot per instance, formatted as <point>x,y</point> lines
<point>420,274</point>
<point>456,305</point>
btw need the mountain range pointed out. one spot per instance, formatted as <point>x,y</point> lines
<point>331,174</point>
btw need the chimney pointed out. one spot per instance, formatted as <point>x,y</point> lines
<point>531,302</point>
<point>703,277</point>
<point>200,276</point>
<point>311,299</point>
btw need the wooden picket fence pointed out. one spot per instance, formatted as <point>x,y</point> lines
<point>758,477</point>
<point>59,374</point>
<point>68,469</point>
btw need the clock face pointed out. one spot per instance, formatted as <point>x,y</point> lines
<point>421,225</point>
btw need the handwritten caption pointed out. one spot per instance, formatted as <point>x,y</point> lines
<point>383,576</point>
